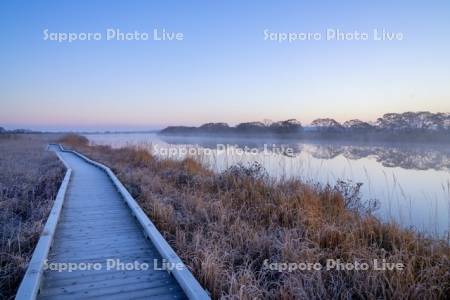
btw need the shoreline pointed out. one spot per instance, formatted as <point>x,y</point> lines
<point>213,221</point>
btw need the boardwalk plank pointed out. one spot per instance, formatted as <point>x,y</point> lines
<point>152,288</point>
<point>97,276</point>
<point>80,287</point>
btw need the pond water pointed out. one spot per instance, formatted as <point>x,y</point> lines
<point>411,182</point>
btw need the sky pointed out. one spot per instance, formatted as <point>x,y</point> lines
<point>223,70</point>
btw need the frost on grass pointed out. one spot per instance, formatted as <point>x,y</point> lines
<point>29,180</point>
<point>224,226</point>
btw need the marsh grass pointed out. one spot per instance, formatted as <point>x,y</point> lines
<point>29,180</point>
<point>224,225</point>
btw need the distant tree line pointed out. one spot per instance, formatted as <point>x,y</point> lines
<point>392,126</point>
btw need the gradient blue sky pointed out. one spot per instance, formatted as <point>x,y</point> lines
<point>223,70</point>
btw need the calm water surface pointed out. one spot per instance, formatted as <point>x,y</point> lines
<point>411,182</point>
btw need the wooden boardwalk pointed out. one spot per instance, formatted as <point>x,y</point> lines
<point>98,236</point>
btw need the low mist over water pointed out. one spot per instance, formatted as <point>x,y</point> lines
<point>410,182</point>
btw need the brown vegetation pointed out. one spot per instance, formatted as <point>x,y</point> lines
<point>29,180</point>
<point>224,226</point>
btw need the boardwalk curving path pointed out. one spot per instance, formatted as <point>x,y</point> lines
<point>104,243</point>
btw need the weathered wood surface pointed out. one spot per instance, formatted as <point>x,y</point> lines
<point>96,224</point>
